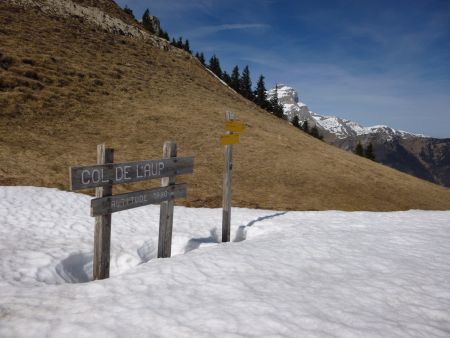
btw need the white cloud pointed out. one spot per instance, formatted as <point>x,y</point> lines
<point>207,30</point>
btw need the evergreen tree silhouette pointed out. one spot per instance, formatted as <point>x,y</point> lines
<point>163,34</point>
<point>245,84</point>
<point>359,149</point>
<point>296,122</point>
<point>315,133</point>
<point>147,22</point>
<point>129,11</point>
<point>275,106</point>
<point>260,93</point>
<point>214,66</point>
<point>186,47</point>
<point>369,152</point>
<point>235,76</point>
<point>201,57</point>
<point>305,126</point>
<point>180,42</point>
<point>226,77</point>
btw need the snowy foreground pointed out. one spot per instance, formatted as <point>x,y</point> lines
<point>290,274</point>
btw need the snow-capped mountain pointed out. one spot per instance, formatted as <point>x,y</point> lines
<point>416,154</point>
<point>339,127</point>
<point>344,128</point>
<point>288,96</point>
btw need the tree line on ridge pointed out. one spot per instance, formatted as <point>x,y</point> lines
<point>239,81</point>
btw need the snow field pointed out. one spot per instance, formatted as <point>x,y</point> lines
<point>291,274</point>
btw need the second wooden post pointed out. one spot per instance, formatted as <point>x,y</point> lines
<point>102,234</point>
<point>166,208</point>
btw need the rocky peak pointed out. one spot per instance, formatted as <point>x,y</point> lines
<point>286,94</point>
<point>292,106</point>
<point>155,24</point>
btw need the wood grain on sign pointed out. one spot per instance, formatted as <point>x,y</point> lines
<point>82,177</point>
<point>111,204</point>
<point>229,139</point>
<point>235,126</point>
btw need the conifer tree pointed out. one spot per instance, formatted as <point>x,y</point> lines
<point>305,126</point>
<point>359,149</point>
<point>260,93</point>
<point>214,66</point>
<point>369,152</point>
<point>173,43</point>
<point>275,106</point>
<point>235,76</point>
<point>147,22</point>
<point>129,11</point>
<point>180,42</point>
<point>226,78</point>
<point>186,47</point>
<point>245,84</point>
<point>201,57</point>
<point>163,34</point>
<point>296,122</point>
<point>315,133</point>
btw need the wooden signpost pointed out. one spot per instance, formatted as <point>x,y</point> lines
<point>106,173</point>
<point>166,208</point>
<point>231,125</point>
<point>102,232</point>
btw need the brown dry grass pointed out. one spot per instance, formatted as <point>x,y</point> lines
<point>66,86</point>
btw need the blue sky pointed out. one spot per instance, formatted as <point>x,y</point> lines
<point>374,62</point>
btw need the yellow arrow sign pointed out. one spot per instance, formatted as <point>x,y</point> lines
<point>236,126</point>
<point>229,139</point>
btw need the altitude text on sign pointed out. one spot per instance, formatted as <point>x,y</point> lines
<point>111,204</point>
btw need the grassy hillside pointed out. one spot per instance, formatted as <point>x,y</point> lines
<point>66,86</point>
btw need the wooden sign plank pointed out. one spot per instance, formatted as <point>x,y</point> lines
<point>229,139</point>
<point>83,177</point>
<point>235,126</point>
<point>111,204</point>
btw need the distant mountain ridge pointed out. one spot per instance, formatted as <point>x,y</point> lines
<point>416,154</point>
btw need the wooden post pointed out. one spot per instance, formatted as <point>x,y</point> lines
<point>102,235</point>
<point>166,208</point>
<point>226,200</point>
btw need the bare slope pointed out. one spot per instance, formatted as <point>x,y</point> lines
<point>67,85</point>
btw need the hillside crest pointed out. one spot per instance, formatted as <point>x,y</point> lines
<point>68,85</point>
